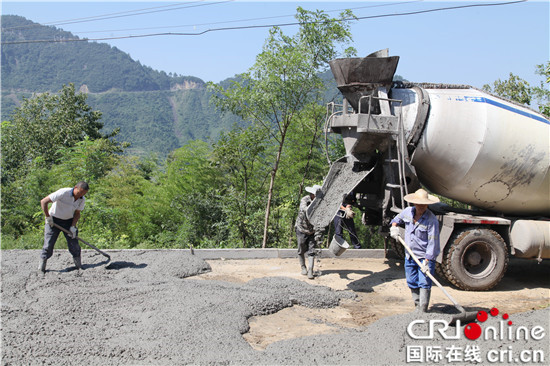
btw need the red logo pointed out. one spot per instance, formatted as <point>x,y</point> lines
<point>473,330</point>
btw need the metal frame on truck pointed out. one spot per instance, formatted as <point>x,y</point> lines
<point>481,159</point>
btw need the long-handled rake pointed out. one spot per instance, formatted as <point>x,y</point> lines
<point>82,240</point>
<point>464,316</point>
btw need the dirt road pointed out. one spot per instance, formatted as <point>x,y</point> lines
<point>381,292</point>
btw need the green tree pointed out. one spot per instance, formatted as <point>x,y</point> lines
<point>191,188</point>
<point>304,162</point>
<point>515,88</point>
<point>240,156</point>
<point>52,141</point>
<point>518,90</point>
<point>21,202</point>
<point>118,209</point>
<point>43,126</point>
<point>88,160</point>
<point>280,86</point>
<point>542,92</point>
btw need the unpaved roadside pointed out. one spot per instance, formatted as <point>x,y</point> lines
<point>381,292</point>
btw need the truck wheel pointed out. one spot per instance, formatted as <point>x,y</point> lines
<point>398,248</point>
<point>440,272</point>
<point>476,259</point>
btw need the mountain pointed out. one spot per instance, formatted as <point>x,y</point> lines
<point>97,67</point>
<point>155,112</point>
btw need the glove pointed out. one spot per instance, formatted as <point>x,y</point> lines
<point>73,230</point>
<point>49,220</point>
<point>349,213</point>
<point>394,232</point>
<point>424,267</point>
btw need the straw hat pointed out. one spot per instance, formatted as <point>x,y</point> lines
<point>421,197</point>
<point>314,189</point>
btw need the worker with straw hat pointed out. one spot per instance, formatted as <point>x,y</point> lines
<point>422,237</point>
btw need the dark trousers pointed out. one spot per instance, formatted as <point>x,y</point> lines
<point>341,223</point>
<point>50,237</point>
<point>306,243</point>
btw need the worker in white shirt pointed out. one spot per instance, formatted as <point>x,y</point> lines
<point>65,212</point>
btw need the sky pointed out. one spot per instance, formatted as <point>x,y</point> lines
<point>474,45</point>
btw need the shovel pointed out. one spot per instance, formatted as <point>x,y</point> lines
<point>82,240</point>
<point>464,316</point>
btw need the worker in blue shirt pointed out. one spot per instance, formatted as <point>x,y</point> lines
<point>422,237</point>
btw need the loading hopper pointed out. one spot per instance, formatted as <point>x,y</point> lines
<point>357,77</point>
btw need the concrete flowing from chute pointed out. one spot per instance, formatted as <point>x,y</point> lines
<point>145,307</point>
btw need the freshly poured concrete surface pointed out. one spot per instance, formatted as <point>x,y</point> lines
<point>170,307</point>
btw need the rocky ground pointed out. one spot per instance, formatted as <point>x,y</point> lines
<point>171,308</point>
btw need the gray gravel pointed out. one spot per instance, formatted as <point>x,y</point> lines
<point>144,308</point>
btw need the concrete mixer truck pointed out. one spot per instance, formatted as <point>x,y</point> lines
<point>488,153</point>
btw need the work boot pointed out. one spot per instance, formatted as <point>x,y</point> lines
<point>416,296</point>
<point>77,262</point>
<point>311,260</point>
<point>303,264</point>
<point>424,299</point>
<point>42,265</point>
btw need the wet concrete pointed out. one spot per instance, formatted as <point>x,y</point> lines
<point>341,180</point>
<point>145,308</point>
<point>387,342</point>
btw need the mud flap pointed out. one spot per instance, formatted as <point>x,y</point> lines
<point>342,178</point>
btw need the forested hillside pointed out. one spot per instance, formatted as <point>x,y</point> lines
<point>161,121</point>
<point>231,179</point>
<point>156,112</point>
<point>40,67</point>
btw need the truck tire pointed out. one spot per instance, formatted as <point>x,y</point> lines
<point>476,259</point>
<point>440,272</point>
<point>398,248</point>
